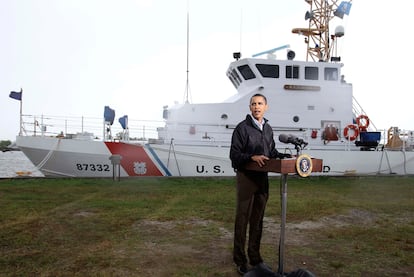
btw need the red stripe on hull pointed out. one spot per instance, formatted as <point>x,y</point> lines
<point>135,160</point>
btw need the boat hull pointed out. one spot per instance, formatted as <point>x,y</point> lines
<point>84,158</point>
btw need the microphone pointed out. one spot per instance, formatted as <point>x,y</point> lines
<point>292,139</point>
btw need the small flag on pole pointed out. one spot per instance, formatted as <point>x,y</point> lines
<point>16,95</point>
<point>343,8</point>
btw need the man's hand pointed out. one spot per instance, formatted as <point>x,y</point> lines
<point>260,159</point>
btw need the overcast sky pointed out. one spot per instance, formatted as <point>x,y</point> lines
<point>73,57</point>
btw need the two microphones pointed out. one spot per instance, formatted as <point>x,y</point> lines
<point>298,142</point>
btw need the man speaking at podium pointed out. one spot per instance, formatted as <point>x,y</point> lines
<point>252,140</point>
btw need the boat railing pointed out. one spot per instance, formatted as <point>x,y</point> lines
<point>92,128</point>
<point>82,127</point>
<point>358,110</point>
<point>220,135</point>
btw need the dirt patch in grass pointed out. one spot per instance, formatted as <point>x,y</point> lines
<point>178,247</point>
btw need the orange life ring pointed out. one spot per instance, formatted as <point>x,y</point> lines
<point>360,124</point>
<point>355,132</point>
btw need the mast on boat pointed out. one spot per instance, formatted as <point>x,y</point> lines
<point>187,84</point>
<point>320,44</point>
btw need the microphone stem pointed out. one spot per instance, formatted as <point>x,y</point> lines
<point>297,150</point>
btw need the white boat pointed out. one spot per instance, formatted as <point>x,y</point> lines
<point>310,102</point>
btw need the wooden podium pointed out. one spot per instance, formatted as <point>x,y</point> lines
<point>285,167</point>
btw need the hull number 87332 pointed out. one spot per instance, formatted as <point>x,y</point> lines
<point>92,167</point>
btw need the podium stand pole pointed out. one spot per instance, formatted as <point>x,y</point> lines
<point>283,203</point>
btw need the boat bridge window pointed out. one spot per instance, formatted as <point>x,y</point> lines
<point>311,73</point>
<point>234,77</point>
<point>268,70</point>
<point>331,73</point>
<point>292,72</point>
<point>246,72</point>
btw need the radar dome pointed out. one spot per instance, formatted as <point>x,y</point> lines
<point>339,31</point>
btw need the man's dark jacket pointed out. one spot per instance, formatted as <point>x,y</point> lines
<point>248,140</point>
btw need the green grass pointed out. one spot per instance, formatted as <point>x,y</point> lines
<point>348,226</point>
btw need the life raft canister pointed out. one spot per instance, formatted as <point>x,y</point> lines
<point>355,132</point>
<point>363,122</point>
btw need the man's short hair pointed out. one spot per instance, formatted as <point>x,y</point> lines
<point>258,95</point>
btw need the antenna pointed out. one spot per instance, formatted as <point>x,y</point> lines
<point>271,51</point>
<point>241,31</point>
<point>187,84</point>
<point>320,44</point>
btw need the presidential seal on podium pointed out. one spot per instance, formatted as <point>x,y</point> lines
<point>304,165</point>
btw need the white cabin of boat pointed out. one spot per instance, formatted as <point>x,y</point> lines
<point>305,98</point>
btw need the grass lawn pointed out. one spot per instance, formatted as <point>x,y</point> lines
<point>336,226</point>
